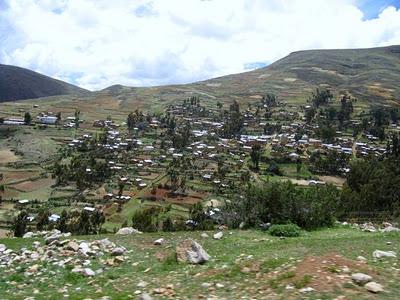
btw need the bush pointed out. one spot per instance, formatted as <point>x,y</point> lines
<point>286,230</point>
<point>282,203</point>
<point>152,219</point>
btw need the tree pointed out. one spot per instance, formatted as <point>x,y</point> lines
<point>27,118</point>
<point>255,156</point>
<point>270,100</point>
<point>130,122</point>
<point>298,165</point>
<point>20,223</point>
<point>77,115</point>
<point>310,114</point>
<point>42,219</point>
<point>321,97</point>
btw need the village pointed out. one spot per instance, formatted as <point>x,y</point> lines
<point>191,153</point>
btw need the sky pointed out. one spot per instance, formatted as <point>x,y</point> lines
<point>98,43</point>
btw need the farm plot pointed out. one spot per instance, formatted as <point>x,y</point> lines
<point>8,156</point>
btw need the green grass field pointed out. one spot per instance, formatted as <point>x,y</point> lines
<point>306,261</point>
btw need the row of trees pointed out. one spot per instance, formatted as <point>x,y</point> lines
<point>74,221</point>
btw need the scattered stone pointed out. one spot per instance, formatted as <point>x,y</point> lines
<point>3,248</point>
<point>118,251</point>
<point>206,285</point>
<point>219,285</point>
<point>72,245</point>
<point>128,230</point>
<point>88,272</point>
<point>390,229</point>
<point>361,258</point>
<point>28,235</point>
<point>142,284</point>
<point>368,227</point>
<point>374,287</point>
<point>158,242</point>
<point>145,296</point>
<point>218,235</point>
<point>204,235</point>
<point>306,290</point>
<point>361,278</point>
<point>380,254</point>
<point>192,252</point>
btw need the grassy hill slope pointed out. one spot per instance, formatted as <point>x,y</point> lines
<point>244,265</point>
<point>19,84</point>
<point>370,75</point>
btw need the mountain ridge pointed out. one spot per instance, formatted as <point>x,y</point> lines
<point>18,83</point>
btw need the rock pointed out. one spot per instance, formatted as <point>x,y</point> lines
<point>50,239</point>
<point>128,230</point>
<point>374,287</point>
<point>36,244</point>
<point>346,270</point>
<point>145,296</point>
<point>192,252</point>
<point>242,225</point>
<point>72,246</point>
<point>33,269</point>
<point>361,278</point>
<point>88,272</point>
<point>3,248</point>
<point>218,235</point>
<point>219,285</point>
<point>206,285</point>
<point>159,241</point>
<point>142,284</point>
<point>117,251</point>
<point>28,235</point>
<point>204,235</point>
<point>390,229</point>
<point>368,227</point>
<point>380,254</point>
<point>119,259</point>
<point>84,247</point>
<point>105,243</point>
<point>361,258</point>
<point>306,290</point>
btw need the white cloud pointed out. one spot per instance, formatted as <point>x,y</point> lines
<point>96,43</point>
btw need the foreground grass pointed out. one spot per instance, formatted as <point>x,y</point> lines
<point>272,263</point>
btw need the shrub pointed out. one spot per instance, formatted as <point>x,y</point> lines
<point>286,230</point>
<point>282,203</point>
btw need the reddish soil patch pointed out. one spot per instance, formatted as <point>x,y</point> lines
<point>328,272</point>
<point>163,194</point>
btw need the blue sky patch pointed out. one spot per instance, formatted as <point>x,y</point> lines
<point>372,8</point>
<point>255,65</point>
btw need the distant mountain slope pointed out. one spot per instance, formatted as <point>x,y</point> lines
<point>19,84</point>
<point>369,74</point>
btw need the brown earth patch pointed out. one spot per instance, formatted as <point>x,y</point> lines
<point>29,186</point>
<point>11,176</point>
<point>3,233</point>
<point>7,156</point>
<point>327,271</point>
<point>338,181</point>
<point>164,194</point>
